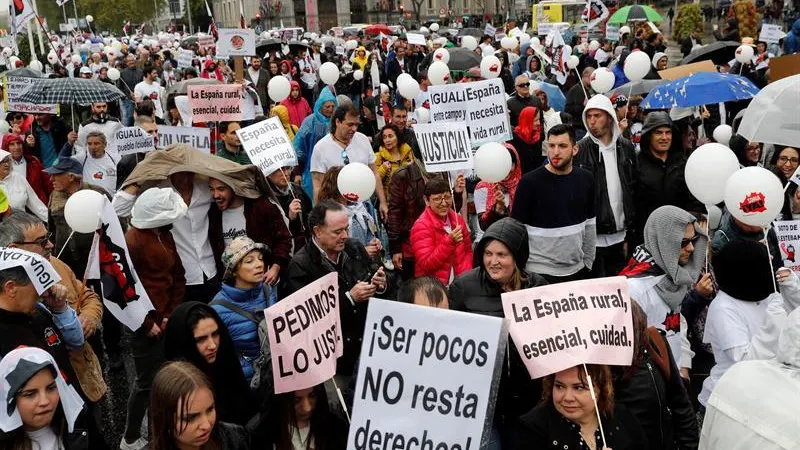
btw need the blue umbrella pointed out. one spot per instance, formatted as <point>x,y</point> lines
<point>555,98</point>
<point>702,88</point>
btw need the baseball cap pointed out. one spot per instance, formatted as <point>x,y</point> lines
<point>65,165</point>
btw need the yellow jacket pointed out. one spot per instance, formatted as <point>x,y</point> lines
<point>383,155</point>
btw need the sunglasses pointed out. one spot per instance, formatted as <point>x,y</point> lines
<point>686,242</point>
<point>345,158</point>
<point>524,85</point>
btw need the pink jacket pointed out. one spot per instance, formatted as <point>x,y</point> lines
<point>298,108</point>
<point>435,253</point>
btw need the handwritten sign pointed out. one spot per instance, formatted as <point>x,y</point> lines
<point>215,103</point>
<point>416,39</point>
<point>185,58</point>
<point>41,273</point>
<point>562,325</point>
<point>482,105</point>
<point>14,88</point>
<point>444,148</point>
<point>489,30</point>
<point>771,33</point>
<point>205,41</point>
<point>305,335</point>
<point>130,140</point>
<point>268,145</point>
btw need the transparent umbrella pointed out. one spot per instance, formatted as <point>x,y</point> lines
<point>772,116</point>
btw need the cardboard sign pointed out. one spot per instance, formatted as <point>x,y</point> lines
<point>426,375</point>
<point>305,335</point>
<point>562,325</point>
<point>196,137</point>
<point>788,232</point>
<point>41,273</point>
<point>268,145</point>
<point>784,66</point>
<point>685,70</point>
<point>444,148</point>
<point>14,88</point>
<point>185,58</point>
<point>205,41</point>
<point>771,33</point>
<point>236,42</point>
<point>416,39</point>
<point>481,104</point>
<point>215,103</point>
<point>130,140</point>
<point>489,30</point>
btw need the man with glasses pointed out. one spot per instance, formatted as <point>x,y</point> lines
<point>343,145</point>
<point>521,98</point>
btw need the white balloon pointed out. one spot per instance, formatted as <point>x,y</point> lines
<point>438,73</point>
<point>90,19</point>
<point>602,80</point>
<point>7,51</point>
<point>278,88</point>
<point>754,195</point>
<point>567,50</point>
<point>434,27</point>
<point>594,45</point>
<point>85,47</point>
<point>637,66</point>
<point>423,115</point>
<point>52,58</point>
<point>492,162</point>
<point>351,44</point>
<point>424,30</point>
<point>356,182</point>
<point>723,133</point>
<point>469,42</point>
<point>117,45</point>
<point>4,126</point>
<point>12,61</point>
<point>36,65</point>
<point>707,171</point>
<point>441,54</point>
<point>76,59</point>
<point>572,62</point>
<point>512,58</point>
<point>508,43</point>
<point>714,216</point>
<point>407,86</point>
<point>329,73</point>
<point>358,75</point>
<point>744,54</point>
<point>490,67</point>
<point>524,38</point>
<point>82,210</point>
<point>113,74</point>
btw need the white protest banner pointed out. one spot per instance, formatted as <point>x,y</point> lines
<point>205,41</point>
<point>482,105</point>
<point>545,28</point>
<point>499,37</point>
<point>562,325</point>
<point>268,145</point>
<point>771,33</point>
<point>416,39</point>
<point>184,58</point>
<point>489,30</point>
<point>788,232</point>
<point>236,42</point>
<point>124,295</point>
<point>14,88</point>
<point>444,147</point>
<point>128,140</point>
<point>39,270</point>
<point>612,32</point>
<point>426,377</point>
<point>196,137</point>
<point>305,335</point>
<point>215,103</point>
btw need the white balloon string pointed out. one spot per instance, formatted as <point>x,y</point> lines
<point>769,255</point>
<point>65,245</point>
<point>596,410</point>
<point>580,81</point>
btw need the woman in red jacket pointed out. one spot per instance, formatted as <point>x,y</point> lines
<point>440,237</point>
<point>30,165</point>
<point>297,105</point>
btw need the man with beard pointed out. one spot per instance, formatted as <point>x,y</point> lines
<point>100,121</point>
<point>556,202</point>
<point>260,78</point>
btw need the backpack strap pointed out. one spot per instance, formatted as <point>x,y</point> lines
<point>241,311</point>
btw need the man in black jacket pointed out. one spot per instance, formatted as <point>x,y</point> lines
<point>360,277</point>
<point>688,43</point>
<point>129,77</point>
<point>521,98</point>
<point>660,179</point>
<point>576,99</point>
<point>612,160</point>
<point>260,78</point>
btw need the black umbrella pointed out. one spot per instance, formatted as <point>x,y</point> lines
<point>263,46</point>
<point>720,52</point>
<point>24,72</point>
<point>295,46</point>
<point>182,87</point>
<point>474,32</point>
<point>460,59</point>
<point>70,91</point>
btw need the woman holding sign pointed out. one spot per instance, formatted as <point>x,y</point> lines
<point>567,417</point>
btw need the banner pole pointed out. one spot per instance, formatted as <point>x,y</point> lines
<point>769,255</point>
<point>596,410</point>
<point>341,399</point>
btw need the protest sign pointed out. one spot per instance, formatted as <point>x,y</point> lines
<point>562,325</point>
<point>771,33</point>
<point>481,104</point>
<point>612,32</point>
<point>196,137</point>
<point>499,37</point>
<point>489,30</point>
<point>205,41</point>
<point>39,270</point>
<point>444,148</point>
<point>784,66</point>
<point>14,88</point>
<point>687,69</point>
<point>236,42</point>
<point>305,335</point>
<point>185,58</point>
<point>268,145</point>
<point>130,140</point>
<point>545,28</point>
<point>788,232</point>
<point>215,103</point>
<point>416,39</point>
<point>426,375</point>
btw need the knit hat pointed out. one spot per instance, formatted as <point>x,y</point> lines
<point>8,139</point>
<point>619,100</point>
<point>743,271</point>
<point>237,250</point>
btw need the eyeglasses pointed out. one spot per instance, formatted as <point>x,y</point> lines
<point>440,200</point>
<point>345,158</point>
<point>786,159</point>
<point>42,242</point>
<point>686,242</point>
<point>524,85</point>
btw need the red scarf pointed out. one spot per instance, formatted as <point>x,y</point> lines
<point>508,185</point>
<point>525,129</point>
